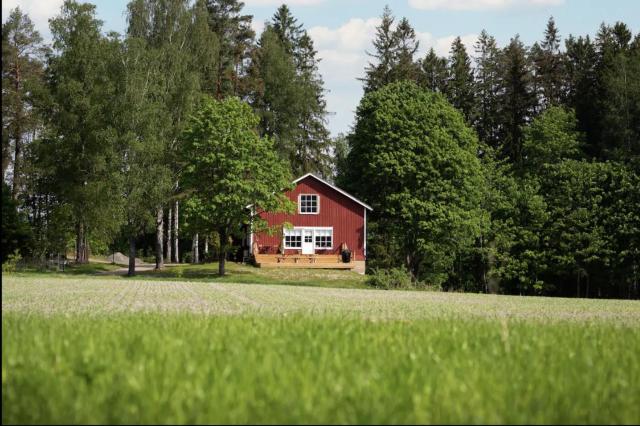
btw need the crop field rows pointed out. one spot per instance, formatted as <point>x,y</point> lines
<point>107,296</point>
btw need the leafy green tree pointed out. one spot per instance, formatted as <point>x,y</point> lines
<point>227,167</point>
<point>82,158</point>
<point>414,159</point>
<point>550,138</point>
<point>460,89</point>
<point>22,76</point>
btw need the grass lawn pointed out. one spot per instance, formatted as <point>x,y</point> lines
<point>116,350</point>
<point>236,273</point>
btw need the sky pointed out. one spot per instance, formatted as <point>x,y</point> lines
<point>342,30</point>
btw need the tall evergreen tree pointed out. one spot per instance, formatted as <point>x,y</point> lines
<point>22,75</point>
<point>434,72</point>
<point>487,86</point>
<point>460,83</point>
<point>379,72</point>
<point>404,67</point>
<point>290,94</point>
<point>235,38</point>
<point>548,64</point>
<point>516,99</point>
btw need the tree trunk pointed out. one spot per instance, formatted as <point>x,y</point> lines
<point>82,247</point>
<point>159,238</point>
<point>223,252</point>
<point>17,134</point>
<point>132,257</point>
<point>206,245</point>
<point>175,232</point>
<point>195,254</point>
<point>169,241</point>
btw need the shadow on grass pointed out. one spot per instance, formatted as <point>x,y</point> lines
<point>247,274</point>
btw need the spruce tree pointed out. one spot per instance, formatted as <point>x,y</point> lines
<point>487,85</point>
<point>434,72</point>
<point>404,67</point>
<point>379,72</point>
<point>460,90</point>
<point>516,99</point>
<point>548,65</point>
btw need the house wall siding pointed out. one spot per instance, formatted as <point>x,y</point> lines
<point>336,210</point>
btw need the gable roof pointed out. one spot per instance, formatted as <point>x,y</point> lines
<point>346,194</point>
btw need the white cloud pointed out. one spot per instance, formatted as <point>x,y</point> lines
<point>479,4</point>
<point>38,10</point>
<point>262,3</point>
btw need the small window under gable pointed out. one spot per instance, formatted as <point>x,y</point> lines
<point>309,204</point>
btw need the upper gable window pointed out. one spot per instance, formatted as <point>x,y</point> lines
<point>309,204</point>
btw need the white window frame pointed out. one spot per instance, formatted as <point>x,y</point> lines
<point>284,240</point>
<point>301,229</point>
<point>300,203</point>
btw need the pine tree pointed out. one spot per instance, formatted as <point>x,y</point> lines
<point>487,85</point>
<point>516,99</point>
<point>235,37</point>
<point>22,76</point>
<point>460,83</point>
<point>434,72</point>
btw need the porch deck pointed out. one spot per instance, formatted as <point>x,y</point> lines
<point>309,261</point>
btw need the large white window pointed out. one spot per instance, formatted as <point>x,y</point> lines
<point>292,238</point>
<point>324,238</point>
<point>309,204</point>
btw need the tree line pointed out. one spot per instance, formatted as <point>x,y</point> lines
<point>512,170</point>
<point>509,169</point>
<point>94,125</point>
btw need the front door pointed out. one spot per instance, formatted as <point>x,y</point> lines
<point>307,241</point>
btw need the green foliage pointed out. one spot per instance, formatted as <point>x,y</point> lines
<point>16,232</point>
<point>460,90</point>
<point>414,159</point>
<point>391,278</point>
<point>228,167</point>
<point>10,265</point>
<point>288,94</point>
<point>550,138</point>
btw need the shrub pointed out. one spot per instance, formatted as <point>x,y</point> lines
<point>392,278</point>
<point>11,264</point>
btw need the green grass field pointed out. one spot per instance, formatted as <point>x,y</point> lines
<point>115,350</point>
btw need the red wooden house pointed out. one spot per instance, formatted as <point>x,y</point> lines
<point>327,222</point>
